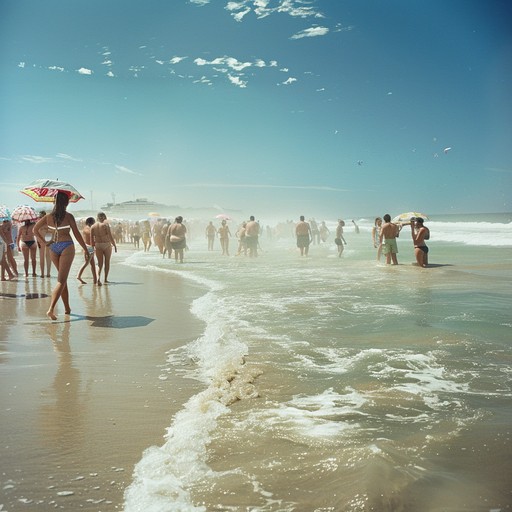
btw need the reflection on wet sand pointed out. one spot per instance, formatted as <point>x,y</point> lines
<point>64,405</point>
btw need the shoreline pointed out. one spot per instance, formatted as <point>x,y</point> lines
<point>82,399</point>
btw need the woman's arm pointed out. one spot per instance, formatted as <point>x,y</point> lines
<point>112,241</point>
<point>43,221</point>
<point>76,233</point>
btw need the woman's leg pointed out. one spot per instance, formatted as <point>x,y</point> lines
<point>25,251</point>
<point>82,268</point>
<point>100,258</point>
<point>42,251</point>
<point>108,255</point>
<point>93,269</point>
<point>33,254</point>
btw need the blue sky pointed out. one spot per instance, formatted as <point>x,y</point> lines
<point>324,108</point>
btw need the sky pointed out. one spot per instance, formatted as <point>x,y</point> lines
<point>322,108</point>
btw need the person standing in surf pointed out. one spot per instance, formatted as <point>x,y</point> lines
<point>60,224</point>
<point>419,234</point>
<point>252,230</point>
<point>389,233</point>
<point>177,237</point>
<point>304,235</point>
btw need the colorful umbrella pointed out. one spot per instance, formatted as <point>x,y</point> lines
<point>407,216</point>
<point>45,190</point>
<point>5,214</point>
<point>23,213</point>
<point>223,216</point>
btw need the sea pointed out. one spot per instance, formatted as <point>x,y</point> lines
<point>340,383</point>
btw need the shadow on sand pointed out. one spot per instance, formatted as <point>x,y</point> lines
<point>115,322</point>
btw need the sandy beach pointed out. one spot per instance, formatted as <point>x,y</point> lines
<point>82,397</point>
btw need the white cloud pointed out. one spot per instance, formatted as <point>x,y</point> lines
<point>200,2</point>
<point>85,71</point>
<point>110,74</point>
<point>21,65</point>
<point>231,62</point>
<point>289,81</point>
<point>121,168</point>
<point>68,157</point>
<point>261,9</point>
<point>257,185</point>
<point>56,68</point>
<point>34,159</point>
<point>203,80</point>
<point>240,15</point>
<point>236,80</point>
<point>176,60</point>
<point>311,32</point>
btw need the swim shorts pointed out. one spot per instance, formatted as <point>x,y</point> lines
<point>390,246</point>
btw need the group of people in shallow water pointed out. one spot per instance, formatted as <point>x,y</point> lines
<point>385,233</point>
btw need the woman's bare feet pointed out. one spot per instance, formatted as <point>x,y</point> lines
<point>81,280</point>
<point>51,315</point>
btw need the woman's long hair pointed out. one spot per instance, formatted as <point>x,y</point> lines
<point>59,208</point>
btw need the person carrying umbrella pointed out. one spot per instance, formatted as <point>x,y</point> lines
<point>60,224</point>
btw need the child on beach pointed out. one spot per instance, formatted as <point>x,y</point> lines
<point>89,259</point>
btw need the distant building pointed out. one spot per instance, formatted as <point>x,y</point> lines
<point>140,206</point>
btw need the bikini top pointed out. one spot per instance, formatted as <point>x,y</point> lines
<point>58,227</point>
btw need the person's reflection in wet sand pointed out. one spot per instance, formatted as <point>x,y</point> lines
<point>64,403</point>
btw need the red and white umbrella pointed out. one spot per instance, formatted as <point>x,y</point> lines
<point>23,213</point>
<point>45,191</point>
<point>223,216</point>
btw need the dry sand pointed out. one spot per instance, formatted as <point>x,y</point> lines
<point>82,397</point>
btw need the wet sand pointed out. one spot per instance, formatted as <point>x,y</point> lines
<point>82,397</point>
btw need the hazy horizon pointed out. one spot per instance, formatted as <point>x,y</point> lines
<point>326,109</point>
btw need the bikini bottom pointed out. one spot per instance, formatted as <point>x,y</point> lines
<point>58,247</point>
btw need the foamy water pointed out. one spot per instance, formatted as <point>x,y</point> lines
<point>339,383</point>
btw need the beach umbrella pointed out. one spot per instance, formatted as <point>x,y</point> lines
<point>407,216</point>
<point>5,214</point>
<point>45,190</point>
<point>154,214</point>
<point>223,216</point>
<point>23,213</point>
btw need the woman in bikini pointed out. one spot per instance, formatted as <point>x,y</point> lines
<point>419,234</point>
<point>27,244</point>
<point>60,224</point>
<point>102,241</point>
